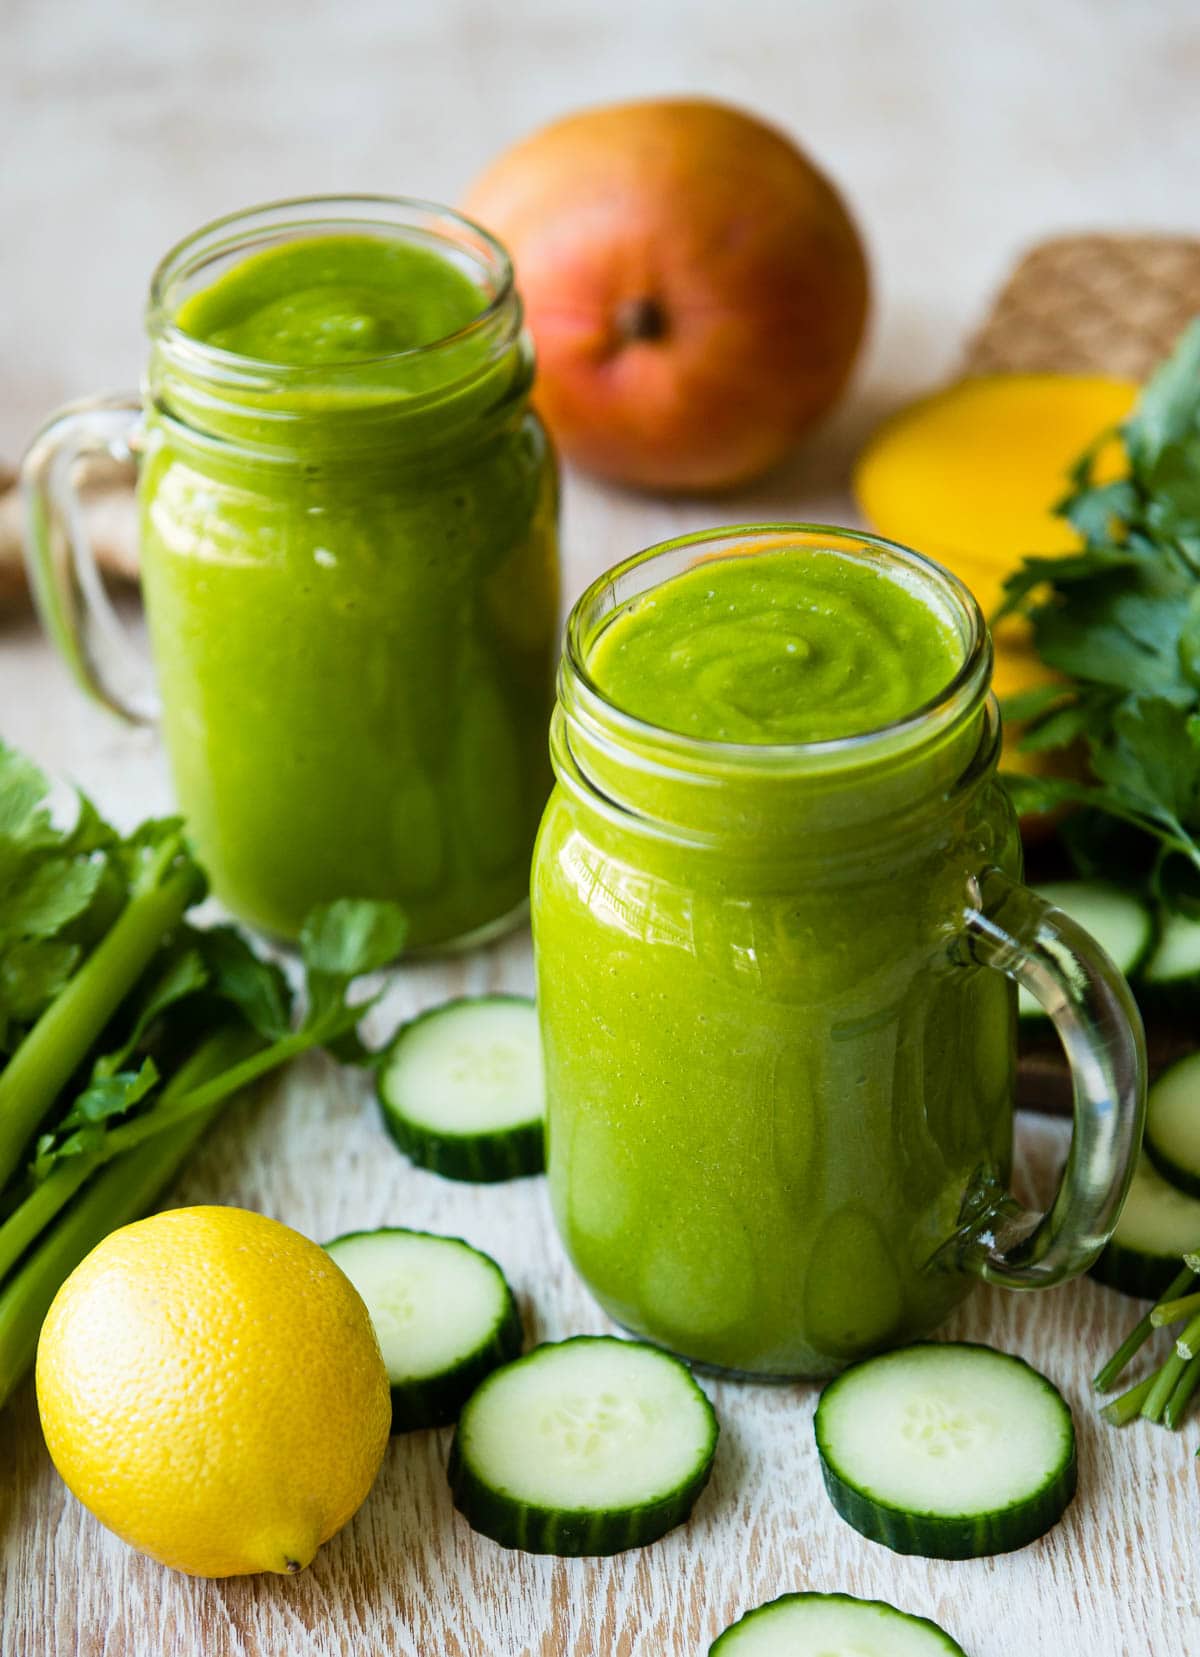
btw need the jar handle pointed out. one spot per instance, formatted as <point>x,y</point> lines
<point>1010,928</point>
<point>75,608</point>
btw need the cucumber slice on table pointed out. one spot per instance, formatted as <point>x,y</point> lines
<point>443,1312</point>
<point>1171,973</point>
<point>946,1449</point>
<point>822,1625</point>
<point>1158,1225</point>
<point>462,1089</point>
<point>1173,1125</point>
<point>585,1446</point>
<point>1121,924</point>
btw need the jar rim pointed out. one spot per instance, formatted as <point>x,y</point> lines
<point>243,228</point>
<point>582,695</point>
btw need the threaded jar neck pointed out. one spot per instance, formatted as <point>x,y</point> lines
<point>415,397</point>
<point>827,796</point>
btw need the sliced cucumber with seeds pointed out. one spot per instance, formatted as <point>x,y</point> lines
<point>946,1449</point>
<point>585,1446</point>
<point>443,1312</point>
<point>822,1625</point>
<point>1158,1225</point>
<point>1170,976</point>
<point>1173,1125</point>
<point>1121,924</point>
<point>462,1089</point>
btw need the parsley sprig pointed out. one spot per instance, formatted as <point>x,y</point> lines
<point>1119,621</point>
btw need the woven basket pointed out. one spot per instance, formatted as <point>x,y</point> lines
<point>1091,305</point>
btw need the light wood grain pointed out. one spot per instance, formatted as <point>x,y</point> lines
<point>1117,1578</point>
<point>961,134</point>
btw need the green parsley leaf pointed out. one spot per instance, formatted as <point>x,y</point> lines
<point>339,942</point>
<point>107,1098</point>
<point>1167,413</point>
<point>352,936</point>
<point>32,972</point>
<point>23,790</point>
<point>1131,624</point>
<point>1151,760</point>
<point>54,892</point>
<point>1119,621</point>
<point>257,988</point>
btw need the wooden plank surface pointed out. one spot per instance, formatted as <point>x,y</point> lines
<point>408,1578</point>
<point>961,134</point>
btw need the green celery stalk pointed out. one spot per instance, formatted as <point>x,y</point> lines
<point>123,1191</point>
<point>1187,1345</point>
<point>1122,1410</point>
<point>1181,1397</point>
<point>181,1105</point>
<point>1165,1381</point>
<point>185,1098</point>
<point>1138,1336</point>
<point>1168,1312</point>
<point>58,1043</point>
<point>26,1223</point>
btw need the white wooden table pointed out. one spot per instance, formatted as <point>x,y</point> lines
<point>960,133</point>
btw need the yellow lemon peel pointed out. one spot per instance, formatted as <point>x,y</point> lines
<point>211,1388</point>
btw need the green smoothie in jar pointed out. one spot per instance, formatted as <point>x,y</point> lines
<point>350,564</point>
<point>771,1083</point>
<point>776,647</point>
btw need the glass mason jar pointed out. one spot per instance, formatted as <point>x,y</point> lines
<point>777,993</point>
<point>350,573</point>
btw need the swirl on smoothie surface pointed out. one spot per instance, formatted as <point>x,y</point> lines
<point>332,300</point>
<point>795,645</point>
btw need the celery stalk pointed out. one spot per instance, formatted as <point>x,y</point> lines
<point>27,1222</point>
<point>121,1192</point>
<point>183,1099</point>
<point>1181,1397</point>
<point>1137,1337</point>
<point>60,1040</point>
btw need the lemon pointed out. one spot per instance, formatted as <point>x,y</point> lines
<point>211,1388</point>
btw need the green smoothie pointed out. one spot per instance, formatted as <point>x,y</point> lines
<point>334,300</point>
<point>350,567</point>
<point>771,1083</point>
<point>776,647</point>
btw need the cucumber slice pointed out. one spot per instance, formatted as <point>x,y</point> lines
<point>1121,924</point>
<point>1173,1125</point>
<point>822,1625</point>
<point>585,1446</point>
<point>1171,973</point>
<point>1158,1225</point>
<point>443,1312</point>
<point>462,1089</point>
<point>946,1449</point>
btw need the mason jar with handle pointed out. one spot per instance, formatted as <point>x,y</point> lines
<point>777,973</point>
<point>348,521</point>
